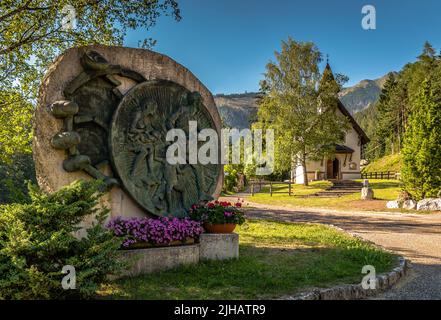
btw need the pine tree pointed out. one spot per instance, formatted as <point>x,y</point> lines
<point>422,153</point>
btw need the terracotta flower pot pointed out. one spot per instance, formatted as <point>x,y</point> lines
<point>219,228</point>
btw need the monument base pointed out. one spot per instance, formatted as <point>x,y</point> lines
<point>211,247</point>
<point>219,246</point>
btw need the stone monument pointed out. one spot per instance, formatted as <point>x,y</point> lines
<point>104,113</point>
<point>366,192</point>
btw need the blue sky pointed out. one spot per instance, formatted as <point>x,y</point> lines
<point>227,43</point>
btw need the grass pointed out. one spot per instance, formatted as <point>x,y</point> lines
<point>384,190</point>
<point>391,163</point>
<point>275,259</point>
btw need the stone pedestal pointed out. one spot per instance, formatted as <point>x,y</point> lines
<point>214,246</point>
<point>367,193</point>
<point>210,247</point>
<point>158,259</point>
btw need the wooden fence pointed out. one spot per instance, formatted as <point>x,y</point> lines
<point>387,175</point>
<point>256,186</point>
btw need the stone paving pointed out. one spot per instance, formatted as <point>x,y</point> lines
<point>415,236</point>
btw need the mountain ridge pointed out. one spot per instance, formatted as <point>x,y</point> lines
<point>239,110</point>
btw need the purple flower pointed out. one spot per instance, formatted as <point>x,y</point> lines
<point>154,230</point>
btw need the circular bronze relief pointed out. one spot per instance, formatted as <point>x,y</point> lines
<point>138,148</point>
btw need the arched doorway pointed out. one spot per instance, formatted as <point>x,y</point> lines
<point>333,169</point>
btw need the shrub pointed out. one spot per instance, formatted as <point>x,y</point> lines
<point>38,238</point>
<point>218,213</point>
<point>231,177</point>
<point>154,230</point>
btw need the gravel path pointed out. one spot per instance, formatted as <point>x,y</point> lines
<point>417,237</point>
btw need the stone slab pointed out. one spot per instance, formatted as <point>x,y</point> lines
<point>219,246</point>
<point>159,259</point>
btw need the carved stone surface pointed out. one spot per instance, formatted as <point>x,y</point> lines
<point>138,148</point>
<point>78,98</point>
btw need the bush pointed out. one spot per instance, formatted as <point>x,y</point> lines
<point>38,238</point>
<point>231,178</point>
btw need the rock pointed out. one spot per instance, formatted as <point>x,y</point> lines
<point>432,204</point>
<point>367,193</point>
<point>410,205</point>
<point>393,204</point>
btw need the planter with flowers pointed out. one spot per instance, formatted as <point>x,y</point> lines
<point>218,217</point>
<point>155,232</point>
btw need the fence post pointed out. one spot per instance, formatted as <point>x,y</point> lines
<point>289,188</point>
<point>381,175</point>
<point>252,188</point>
<point>271,189</point>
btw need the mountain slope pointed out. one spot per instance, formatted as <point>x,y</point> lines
<point>362,95</point>
<point>237,110</point>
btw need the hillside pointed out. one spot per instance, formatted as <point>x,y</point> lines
<point>362,95</point>
<point>237,110</point>
<point>392,163</point>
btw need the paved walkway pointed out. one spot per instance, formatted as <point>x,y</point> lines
<point>417,237</point>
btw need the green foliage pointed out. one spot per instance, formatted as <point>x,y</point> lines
<point>32,36</point>
<point>14,176</point>
<point>386,121</point>
<point>231,177</point>
<point>422,153</point>
<point>300,105</point>
<point>32,31</point>
<point>15,125</point>
<point>37,239</point>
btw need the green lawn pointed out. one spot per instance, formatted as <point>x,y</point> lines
<point>275,259</point>
<point>384,190</point>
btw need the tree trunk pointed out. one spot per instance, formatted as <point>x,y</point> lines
<point>305,174</point>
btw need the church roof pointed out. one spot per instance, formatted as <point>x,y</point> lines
<point>355,125</point>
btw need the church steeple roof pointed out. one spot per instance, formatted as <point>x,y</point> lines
<point>328,75</point>
<point>327,80</point>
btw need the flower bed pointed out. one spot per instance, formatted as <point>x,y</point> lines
<point>155,232</point>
